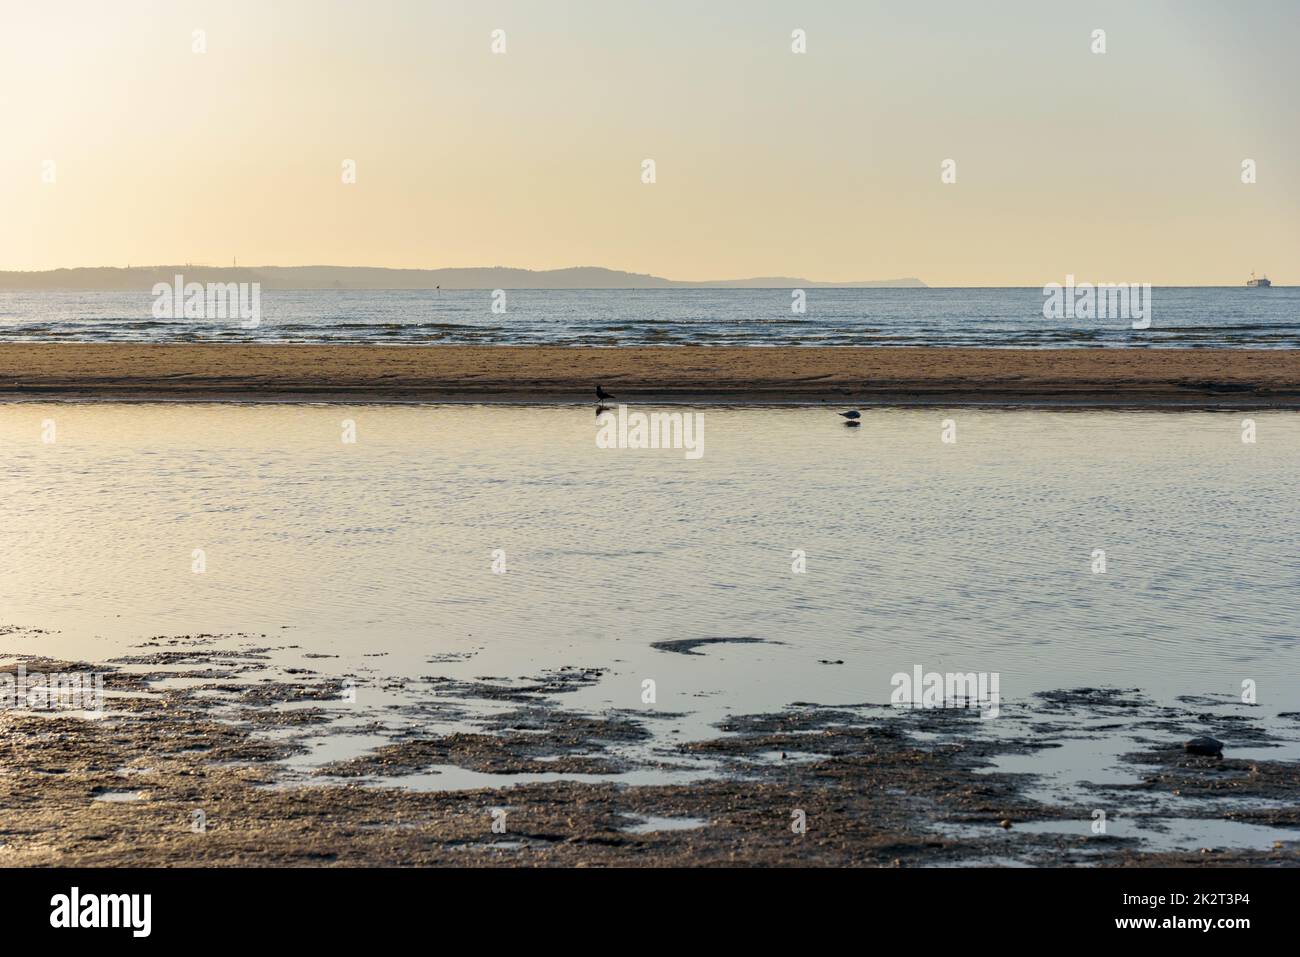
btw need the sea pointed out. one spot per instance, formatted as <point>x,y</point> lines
<point>1200,317</point>
<point>816,562</point>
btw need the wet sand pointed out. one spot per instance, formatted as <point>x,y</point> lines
<point>1097,378</point>
<point>871,786</point>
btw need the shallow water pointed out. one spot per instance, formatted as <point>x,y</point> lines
<point>975,555</point>
<point>970,557</point>
<point>1226,317</point>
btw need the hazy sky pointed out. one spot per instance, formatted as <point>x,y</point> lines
<point>1123,166</point>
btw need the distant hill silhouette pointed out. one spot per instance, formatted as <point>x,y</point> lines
<point>142,278</point>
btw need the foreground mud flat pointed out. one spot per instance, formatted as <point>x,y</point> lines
<point>196,774</point>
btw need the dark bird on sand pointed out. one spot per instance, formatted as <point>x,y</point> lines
<point>602,395</point>
<point>855,414</point>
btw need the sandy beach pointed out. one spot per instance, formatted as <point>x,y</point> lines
<point>1097,378</point>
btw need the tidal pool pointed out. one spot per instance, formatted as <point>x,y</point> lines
<point>462,542</point>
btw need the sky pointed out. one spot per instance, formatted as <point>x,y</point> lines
<point>123,145</point>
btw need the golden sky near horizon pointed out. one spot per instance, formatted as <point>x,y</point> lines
<point>1121,166</point>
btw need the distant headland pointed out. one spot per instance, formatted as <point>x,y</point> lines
<point>142,278</point>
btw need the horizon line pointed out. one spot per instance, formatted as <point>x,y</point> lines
<point>772,281</point>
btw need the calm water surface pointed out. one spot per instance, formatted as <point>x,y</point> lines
<point>975,554</point>
<point>968,557</point>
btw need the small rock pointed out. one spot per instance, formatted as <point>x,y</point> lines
<point>1005,822</point>
<point>1210,747</point>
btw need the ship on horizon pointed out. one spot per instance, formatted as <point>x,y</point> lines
<point>1261,282</point>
